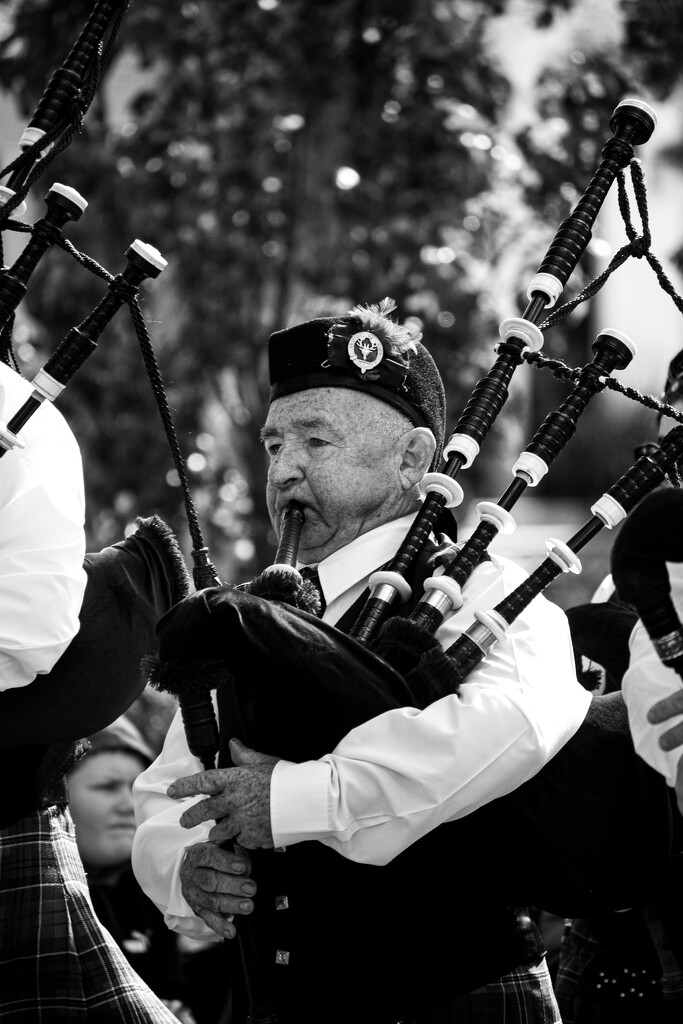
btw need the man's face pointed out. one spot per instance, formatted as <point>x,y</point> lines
<point>333,450</point>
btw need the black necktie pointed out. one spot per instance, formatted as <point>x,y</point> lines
<point>310,572</point>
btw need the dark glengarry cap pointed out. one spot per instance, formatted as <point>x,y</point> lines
<point>368,352</point>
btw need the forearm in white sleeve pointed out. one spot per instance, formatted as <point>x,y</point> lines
<point>160,841</point>
<point>646,681</point>
<point>396,777</point>
<point>42,546</point>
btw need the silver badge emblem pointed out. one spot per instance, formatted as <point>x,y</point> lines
<point>365,350</point>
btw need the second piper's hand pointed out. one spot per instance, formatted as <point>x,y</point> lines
<point>238,798</point>
<point>662,711</point>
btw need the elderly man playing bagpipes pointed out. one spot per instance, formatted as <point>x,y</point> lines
<point>356,420</point>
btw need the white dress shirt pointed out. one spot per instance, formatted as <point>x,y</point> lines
<point>42,539</point>
<point>396,777</point>
<point>648,680</point>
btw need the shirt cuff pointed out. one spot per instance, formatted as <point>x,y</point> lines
<point>299,801</point>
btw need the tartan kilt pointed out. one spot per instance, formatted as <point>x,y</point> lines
<point>523,996</point>
<point>607,974</point>
<point>57,962</point>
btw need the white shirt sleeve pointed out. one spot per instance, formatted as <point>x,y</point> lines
<point>160,841</point>
<point>648,680</point>
<point>396,777</point>
<point>42,546</point>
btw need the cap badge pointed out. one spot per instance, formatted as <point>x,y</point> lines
<point>365,350</point>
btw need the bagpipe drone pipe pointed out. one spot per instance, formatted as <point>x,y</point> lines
<point>291,685</point>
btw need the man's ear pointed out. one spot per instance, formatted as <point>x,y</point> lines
<point>417,448</point>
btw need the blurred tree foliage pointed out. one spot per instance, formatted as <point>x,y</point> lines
<point>290,159</point>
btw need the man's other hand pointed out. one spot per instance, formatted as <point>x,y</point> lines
<point>216,884</point>
<point>662,711</point>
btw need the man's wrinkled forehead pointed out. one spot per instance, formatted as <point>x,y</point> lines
<point>299,424</point>
<point>332,407</point>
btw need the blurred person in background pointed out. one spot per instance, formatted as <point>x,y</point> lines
<point>101,802</point>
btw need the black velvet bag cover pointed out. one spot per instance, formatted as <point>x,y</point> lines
<point>130,585</point>
<point>299,683</point>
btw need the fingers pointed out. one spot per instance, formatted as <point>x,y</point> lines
<point>214,883</point>
<point>667,708</point>
<point>664,710</point>
<point>230,862</point>
<point>672,738</point>
<point>252,836</point>
<point>204,810</point>
<point>220,925</point>
<point>243,856</point>
<point>223,831</point>
<point>208,782</point>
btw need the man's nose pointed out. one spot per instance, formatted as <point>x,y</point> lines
<point>287,466</point>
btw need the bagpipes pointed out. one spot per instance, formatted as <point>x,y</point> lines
<point>291,685</point>
<point>296,685</point>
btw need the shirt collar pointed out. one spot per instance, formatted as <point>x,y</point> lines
<point>356,561</point>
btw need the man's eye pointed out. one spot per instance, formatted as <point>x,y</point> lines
<point>317,442</point>
<point>272,449</point>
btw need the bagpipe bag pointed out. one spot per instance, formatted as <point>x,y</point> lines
<point>129,586</point>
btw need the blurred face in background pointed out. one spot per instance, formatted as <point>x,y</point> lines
<point>101,802</point>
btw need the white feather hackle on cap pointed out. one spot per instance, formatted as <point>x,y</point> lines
<point>375,318</point>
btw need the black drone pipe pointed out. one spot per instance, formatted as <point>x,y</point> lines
<point>632,124</point>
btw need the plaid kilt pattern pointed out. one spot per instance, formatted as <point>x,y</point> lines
<point>578,949</point>
<point>524,996</point>
<point>57,962</point>
<point>610,981</point>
